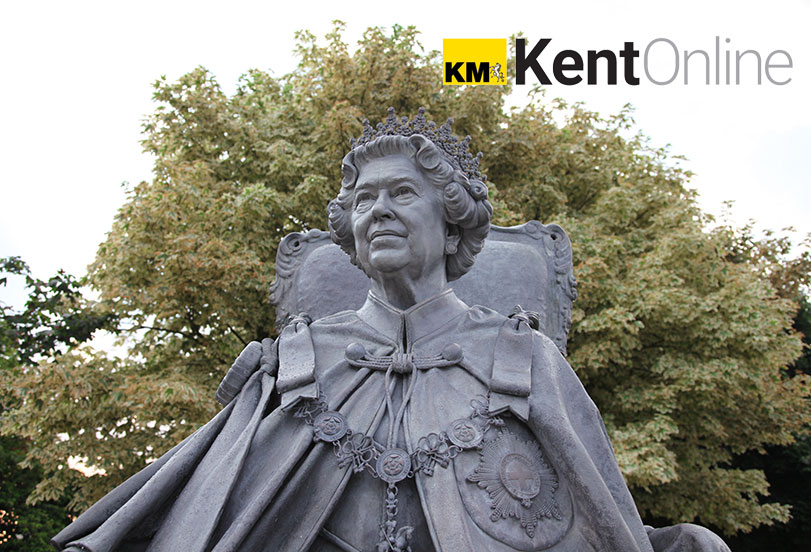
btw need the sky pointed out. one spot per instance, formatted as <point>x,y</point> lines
<point>77,83</point>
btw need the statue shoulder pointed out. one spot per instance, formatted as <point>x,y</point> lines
<point>255,356</point>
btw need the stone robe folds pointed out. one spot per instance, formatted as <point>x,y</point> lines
<point>254,479</point>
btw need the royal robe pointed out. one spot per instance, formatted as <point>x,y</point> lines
<point>544,476</point>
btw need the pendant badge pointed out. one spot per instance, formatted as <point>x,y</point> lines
<point>393,465</point>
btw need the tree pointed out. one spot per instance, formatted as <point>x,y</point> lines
<point>683,349</point>
<point>56,316</point>
<point>787,467</point>
<point>23,527</point>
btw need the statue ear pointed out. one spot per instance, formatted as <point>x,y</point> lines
<point>452,238</point>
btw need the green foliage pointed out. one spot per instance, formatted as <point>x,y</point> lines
<point>24,528</point>
<point>683,348</point>
<point>788,467</point>
<point>683,352</point>
<point>56,316</point>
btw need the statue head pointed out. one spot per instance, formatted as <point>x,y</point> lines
<point>411,193</point>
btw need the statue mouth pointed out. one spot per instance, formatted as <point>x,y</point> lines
<point>385,233</point>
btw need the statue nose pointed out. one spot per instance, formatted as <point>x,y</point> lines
<point>382,206</point>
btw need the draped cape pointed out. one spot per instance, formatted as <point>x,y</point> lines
<point>254,479</point>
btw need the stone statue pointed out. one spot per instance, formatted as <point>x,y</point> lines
<point>413,423</point>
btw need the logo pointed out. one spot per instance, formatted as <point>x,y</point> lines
<point>569,66</point>
<point>474,61</point>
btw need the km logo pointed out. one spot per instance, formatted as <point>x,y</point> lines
<point>474,60</point>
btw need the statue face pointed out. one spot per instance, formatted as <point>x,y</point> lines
<point>398,219</point>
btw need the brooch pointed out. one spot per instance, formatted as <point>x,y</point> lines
<point>518,481</point>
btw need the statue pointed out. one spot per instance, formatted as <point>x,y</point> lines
<point>413,423</point>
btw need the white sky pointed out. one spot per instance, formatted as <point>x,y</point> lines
<point>76,83</point>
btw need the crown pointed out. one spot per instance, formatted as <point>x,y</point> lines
<point>455,151</point>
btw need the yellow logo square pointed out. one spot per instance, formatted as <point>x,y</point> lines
<point>474,61</point>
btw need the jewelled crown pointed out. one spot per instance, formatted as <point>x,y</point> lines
<point>455,151</point>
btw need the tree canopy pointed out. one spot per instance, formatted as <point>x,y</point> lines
<point>56,316</point>
<point>682,335</point>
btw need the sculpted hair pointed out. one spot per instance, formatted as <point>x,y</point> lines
<point>467,210</point>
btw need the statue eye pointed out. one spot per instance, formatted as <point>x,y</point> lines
<point>363,200</point>
<point>404,192</point>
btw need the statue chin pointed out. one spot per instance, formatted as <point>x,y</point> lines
<point>387,261</point>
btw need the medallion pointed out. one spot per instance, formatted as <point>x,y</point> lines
<point>329,426</point>
<point>518,481</point>
<point>465,433</point>
<point>393,465</point>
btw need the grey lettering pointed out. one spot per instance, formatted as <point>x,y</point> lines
<point>675,58</point>
<point>769,66</point>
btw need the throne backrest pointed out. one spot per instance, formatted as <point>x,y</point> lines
<point>528,265</point>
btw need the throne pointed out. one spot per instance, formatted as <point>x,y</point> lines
<point>528,265</point>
